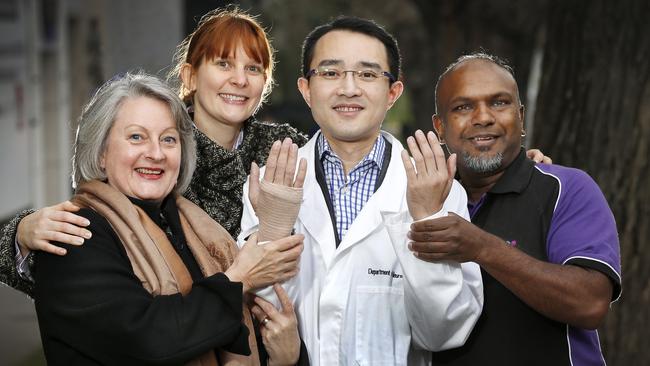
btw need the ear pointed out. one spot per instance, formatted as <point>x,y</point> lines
<point>188,77</point>
<point>439,127</point>
<point>521,115</point>
<point>395,91</point>
<point>303,87</point>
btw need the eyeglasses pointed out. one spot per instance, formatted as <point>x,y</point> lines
<point>367,75</point>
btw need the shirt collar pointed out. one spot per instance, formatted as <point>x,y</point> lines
<point>376,154</point>
<point>516,176</point>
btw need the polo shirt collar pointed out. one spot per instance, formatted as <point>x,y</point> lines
<point>516,176</point>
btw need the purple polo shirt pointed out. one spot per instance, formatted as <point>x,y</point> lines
<point>555,214</point>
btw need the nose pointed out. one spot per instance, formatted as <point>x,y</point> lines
<point>238,77</point>
<point>154,151</point>
<point>349,87</point>
<point>483,115</point>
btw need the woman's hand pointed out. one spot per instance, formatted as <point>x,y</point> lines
<point>258,266</point>
<point>56,223</point>
<point>279,329</point>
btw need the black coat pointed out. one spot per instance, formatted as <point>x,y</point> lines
<point>92,309</point>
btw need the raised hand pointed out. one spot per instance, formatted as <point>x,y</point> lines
<point>57,223</point>
<point>429,175</point>
<point>280,169</point>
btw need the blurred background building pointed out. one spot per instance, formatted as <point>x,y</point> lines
<point>582,67</point>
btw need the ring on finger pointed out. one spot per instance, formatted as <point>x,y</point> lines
<point>265,320</point>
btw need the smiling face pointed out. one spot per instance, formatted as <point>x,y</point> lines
<point>348,109</point>
<point>480,116</point>
<point>143,150</point>
<point>228,90</point>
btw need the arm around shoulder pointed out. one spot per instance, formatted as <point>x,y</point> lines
<point>9,274</point>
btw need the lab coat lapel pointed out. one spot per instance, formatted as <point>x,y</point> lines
<point>389,198</point>
<point>314,214</point>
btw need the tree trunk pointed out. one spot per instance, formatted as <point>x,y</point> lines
<point>456,27</point>
<point>593,112</point>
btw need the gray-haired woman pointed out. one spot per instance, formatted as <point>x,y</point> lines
<point>159,281</point>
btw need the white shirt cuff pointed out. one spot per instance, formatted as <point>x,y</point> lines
<point>441,213</point>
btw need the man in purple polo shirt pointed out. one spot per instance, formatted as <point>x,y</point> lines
<point>543,235</point>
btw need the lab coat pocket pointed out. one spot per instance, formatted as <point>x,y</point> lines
<point>382,331</point>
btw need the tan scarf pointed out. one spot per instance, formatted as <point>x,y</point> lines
<point>155,261</point>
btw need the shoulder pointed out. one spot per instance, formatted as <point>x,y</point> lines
<point>571,182</point>
<point>272,131</point>
<point>103,236</point>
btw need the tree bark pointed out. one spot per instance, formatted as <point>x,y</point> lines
<point>593,112</point>
<point>455,27</point>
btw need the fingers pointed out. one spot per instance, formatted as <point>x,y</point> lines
<point>257,312</point>
<point>438,153</point>
<point>281,164</point>
<point>538,156</point>
<point>67,206</point>
<point>420,165</point>
<point>252,240</point>
<point>267,307</point>
<point>427,152</point>
<point>254,185</point>
<point>271,161</point>
<point>451,171</point>
<point>451,165</point>
<point>288,243</point>
<point>287,306</point>
<point>291,165</point>
<point>429,247</point>
<point>302,172</point>
<point>437,224</point>
<point>69,218</point>
<point>411,175</point>
<point>49,248</point>
<point>61,237</point>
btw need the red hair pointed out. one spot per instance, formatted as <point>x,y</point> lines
<point>217,35</point>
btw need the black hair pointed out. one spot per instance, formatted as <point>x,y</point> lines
<point>358,25</point>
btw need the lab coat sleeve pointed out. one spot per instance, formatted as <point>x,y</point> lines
<point>249,225</point>
<point>443,300</point>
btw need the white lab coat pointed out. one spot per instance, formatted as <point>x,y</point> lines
<point>370,301</point>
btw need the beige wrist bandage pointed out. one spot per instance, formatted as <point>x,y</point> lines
<point>277,210</point>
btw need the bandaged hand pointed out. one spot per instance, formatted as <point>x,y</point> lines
<point>277,198</point>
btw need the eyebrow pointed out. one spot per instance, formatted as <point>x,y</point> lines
<point>363,64</point>
<point>330,62</point>
<point>464,99</point>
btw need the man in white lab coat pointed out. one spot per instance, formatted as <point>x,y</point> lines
<point>361,296</point>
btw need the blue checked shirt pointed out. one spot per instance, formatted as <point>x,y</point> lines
<point>350,193</point>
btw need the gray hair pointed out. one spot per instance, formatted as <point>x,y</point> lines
<point>99,115</point>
